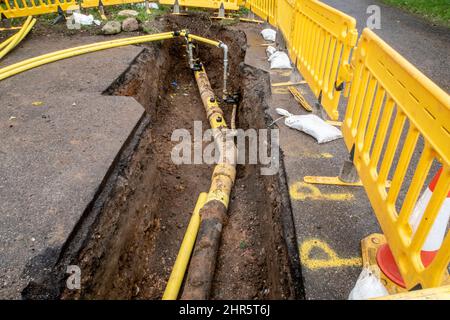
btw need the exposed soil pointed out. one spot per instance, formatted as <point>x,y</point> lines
<point>143,214</point>
<point>44,27</point>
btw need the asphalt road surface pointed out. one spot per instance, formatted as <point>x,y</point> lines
<point>424,45</point>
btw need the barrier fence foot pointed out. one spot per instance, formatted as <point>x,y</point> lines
<point>251,20</point>
<point>176,7</point>
<point>61,17</point>
<point>347,177</point>
<point>10,28</point>
<point>101,10</point>
<point>222,18</point>
<point>335,181</point>
<point>147,7</point>
<point>334,123</point>
<point>5,24</point>
<point>348,172</point>
<point>288,83</point>
<point>221,13</point>
<point>319,110</point>
<point>330,181</point>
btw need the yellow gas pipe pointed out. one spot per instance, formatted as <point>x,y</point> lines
<point>214,204</point>
<point>14,40</point>
<point>224,173</point>
<point>182,261</point>
<point>68,53</point>
<point>217,44</point>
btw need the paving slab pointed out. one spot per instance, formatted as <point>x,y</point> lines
<point>60,135</point>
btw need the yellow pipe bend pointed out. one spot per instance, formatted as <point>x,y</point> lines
<point>38,61</point>
<point>55,53</point>
<point>5,43</point>
<point>14,40</point>
<point>30,26</point>
<point>67,53</point>
<point>187,246</point>
<point>204,40</point>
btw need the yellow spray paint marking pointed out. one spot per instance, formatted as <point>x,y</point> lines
<point>332,260</point>
<point>283,73</point>
<point>326,155</point>
<point>308,155</point>
<point>297,192</point>
<point>280,90</point>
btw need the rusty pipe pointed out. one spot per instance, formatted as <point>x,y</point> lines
<point>214,212</point>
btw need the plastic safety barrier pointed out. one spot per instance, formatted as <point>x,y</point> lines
<point>321,44</point>
<point>285,19</point>
<point>213,4</point>
<point>96,3</point>
<point>319,39</point>
<point>390,100</point>
<point>266,9</point>
<point>22,8</point>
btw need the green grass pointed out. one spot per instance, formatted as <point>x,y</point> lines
<point>436,11</point>
<point>243,11</point>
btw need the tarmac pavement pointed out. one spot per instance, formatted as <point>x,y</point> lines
<point>60,135</point>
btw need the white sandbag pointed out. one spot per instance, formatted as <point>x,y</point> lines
<point>312,125</point>
<point>82,19</point>
<point>269,34</point>
<point>368,286</point>
<point>151,5</point>
<point>270,51</point>
<point>283,112</point>
<point>280,60</point>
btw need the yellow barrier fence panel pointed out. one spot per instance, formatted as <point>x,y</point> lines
<point>441,293</point>
<point>213,4</point>
<point>95,3</point>
<point>266,9</point>
<point>395,112</point>
<point>22,8</point>
<point>285,19</point>
<point>322,41</point>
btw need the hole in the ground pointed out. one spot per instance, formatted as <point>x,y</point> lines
<point>141,222</point>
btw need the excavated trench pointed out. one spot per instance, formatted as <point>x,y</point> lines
<point>145,206</point>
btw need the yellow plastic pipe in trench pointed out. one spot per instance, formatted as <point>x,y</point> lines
<point>182,261</point>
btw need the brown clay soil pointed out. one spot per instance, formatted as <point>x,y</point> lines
<point>147,202</point>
